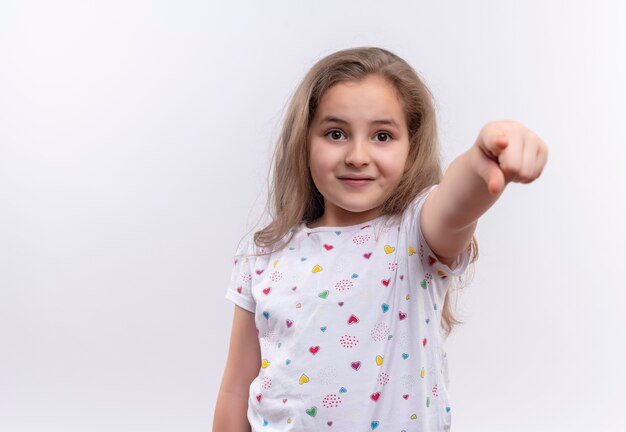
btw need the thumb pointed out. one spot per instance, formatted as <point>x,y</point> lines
<point>489,170</point>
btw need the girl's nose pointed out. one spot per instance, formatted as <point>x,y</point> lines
<point>357,153</point>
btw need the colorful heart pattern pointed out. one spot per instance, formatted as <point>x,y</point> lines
<point>385,288</point>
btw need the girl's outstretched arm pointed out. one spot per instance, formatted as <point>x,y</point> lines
<point>242,366</point>
<point>505,151</point>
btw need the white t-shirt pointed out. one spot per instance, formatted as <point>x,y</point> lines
<point>348,320</point>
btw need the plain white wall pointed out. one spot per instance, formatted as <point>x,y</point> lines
<point>134,143</point>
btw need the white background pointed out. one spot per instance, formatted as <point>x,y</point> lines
<point>135,139</point>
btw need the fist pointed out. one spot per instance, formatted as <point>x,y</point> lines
<point>506,151</point>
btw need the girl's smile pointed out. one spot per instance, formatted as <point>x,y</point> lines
<point>353,182</point>
<point>358,149</point>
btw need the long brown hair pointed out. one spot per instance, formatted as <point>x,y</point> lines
<point>293,197</point>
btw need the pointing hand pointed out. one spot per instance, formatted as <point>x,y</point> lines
<point>506,151</point>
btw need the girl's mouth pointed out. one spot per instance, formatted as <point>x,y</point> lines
<point>355,182</point>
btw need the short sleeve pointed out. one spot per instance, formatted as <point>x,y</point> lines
<point>429,260</point>
<point>239,287</point>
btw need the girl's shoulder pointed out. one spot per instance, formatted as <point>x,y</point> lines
<point>415,205</point>
<point>249,247</point>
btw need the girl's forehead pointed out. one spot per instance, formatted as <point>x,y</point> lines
<point>371,99</point>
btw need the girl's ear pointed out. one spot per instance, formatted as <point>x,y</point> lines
<point>410,158</point>
<point>408,163</point>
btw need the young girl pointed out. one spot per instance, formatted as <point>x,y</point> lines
<point>342,300</point>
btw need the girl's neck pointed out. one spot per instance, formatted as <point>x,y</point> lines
<point>335,216</point>
<point>356,219</point>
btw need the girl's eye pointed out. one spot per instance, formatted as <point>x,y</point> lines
<point>337,134</point>
<point>334,134</point>
<point>385,134</point>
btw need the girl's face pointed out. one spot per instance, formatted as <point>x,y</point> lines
<point>358,149</point>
